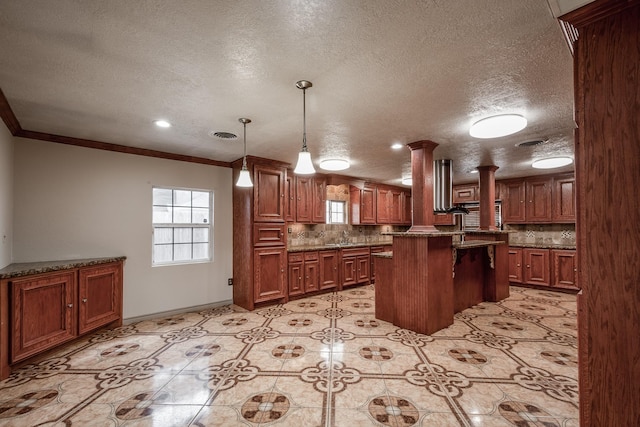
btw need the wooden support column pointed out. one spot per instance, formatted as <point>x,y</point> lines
<point>422,187</point>
<point>487,197</point>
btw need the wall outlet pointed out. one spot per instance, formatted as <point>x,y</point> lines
<point>289,230</point>
<point>230,281</point>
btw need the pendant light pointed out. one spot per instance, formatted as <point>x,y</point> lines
<point>244,180</point>
<point>304,166</point>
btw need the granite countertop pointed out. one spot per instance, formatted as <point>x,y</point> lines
<point>425,234</point>
<point>489,231</point>
<point>334,246</point>
<point>542,246</point>
<point>30,268</point>
<point>388,254</point>
<point>475,244</point>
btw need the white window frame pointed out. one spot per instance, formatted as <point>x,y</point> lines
<point>330,211</point>
<point>206,224</point>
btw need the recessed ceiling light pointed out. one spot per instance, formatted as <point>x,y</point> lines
<point>407,181</point>
<point>552,162</point>
<point>162,123</point>
<point>473,171</point>
<point>497,126</point>
<point>397,146</point>
<point>334,164</point>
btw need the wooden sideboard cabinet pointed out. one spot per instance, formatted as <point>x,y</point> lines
<point>53,307</point>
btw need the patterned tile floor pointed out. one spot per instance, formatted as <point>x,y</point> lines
<point>318,361</point>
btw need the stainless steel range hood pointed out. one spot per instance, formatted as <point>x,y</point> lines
<point>443,188</point>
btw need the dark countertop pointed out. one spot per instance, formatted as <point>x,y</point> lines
<point>542,246</point>
<point>30,268</point>
<point>475,244</point>
<point>332,246</point>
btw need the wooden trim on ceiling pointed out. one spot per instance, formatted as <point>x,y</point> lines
<point>16,130</point>
<point>596,11</point>
<point>7,115</point>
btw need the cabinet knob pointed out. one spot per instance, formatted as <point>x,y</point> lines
<point>84,300</point>
<point>282,270</point>
<point>70,305</point>
<point>575,269</point>
<point>528,266</point>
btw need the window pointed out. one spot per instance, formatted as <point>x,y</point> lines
<point>182,226</point>
<point>336,212</point>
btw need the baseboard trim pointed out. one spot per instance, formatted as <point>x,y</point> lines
<point>170,313</point>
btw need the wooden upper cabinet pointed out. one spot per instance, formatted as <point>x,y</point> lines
<point>368,205</point>
<point>395,206</point>
<point>268,194</point>
<point>383,200</point>
<point>407,208</point>
<point>289,198</point>
<point>318,209</point>
<point>354,204</point>
<point>513,201</point>
<point>564,199</point>
<point>538,200</point>
<point>304,195</point>
<point>465,193</point>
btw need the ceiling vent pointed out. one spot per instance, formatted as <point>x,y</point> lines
<point>531,143</point>
<point>223,135</point>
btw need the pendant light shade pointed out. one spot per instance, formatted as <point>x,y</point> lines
<point>304,165</point>
<point>244,180</point>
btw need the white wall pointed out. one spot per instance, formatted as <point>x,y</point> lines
<point>74,202</point>
<point>6,195</point>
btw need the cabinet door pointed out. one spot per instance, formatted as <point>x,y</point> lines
<point>407,209</point>
<point>565,272</point>
<point>268,234</point>
<point>538,196</point>
<point>269,275</point>
<point>319,200</point>
<point>304,194</point>
<point>289,198</point>
<point>328,269</point>
<point>537,270</point>
<point>268,193</point>
<point>465,193</point>
<point>368,206</point>
<point>354,204</point>
<point>363,265</point>
<point>383,201</point>
<point>349,270</point>
<point>43,313</point>
<point>564,199</point>
<point>513,206</point>
<point>515,265</point>
<point>395,207</point>
<point>296,284</point>
<point>100,296</point>
<point>311,276</point>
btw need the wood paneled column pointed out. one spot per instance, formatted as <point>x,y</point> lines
<point>422,186</point>
<point>487,197</point>
<point>607,151</point>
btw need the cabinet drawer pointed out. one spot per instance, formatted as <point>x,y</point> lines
<point>311,256</point>
<point>346,253</point>
<point>268,234</point>
<point>296,257</point>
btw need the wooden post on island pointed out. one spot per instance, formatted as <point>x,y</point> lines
<point>422,186</point>
<point>488,197</point>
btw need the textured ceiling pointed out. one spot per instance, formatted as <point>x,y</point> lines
<point>383,71</point>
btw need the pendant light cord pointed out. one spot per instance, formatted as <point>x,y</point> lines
<point>304,120</point>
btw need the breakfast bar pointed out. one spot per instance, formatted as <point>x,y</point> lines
<point>428,277</point>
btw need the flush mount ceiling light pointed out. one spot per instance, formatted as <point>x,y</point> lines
<point>407,181</point>
<point>162,123</point>
<point>304,165</point>
<point>397,146</point>
<point>334,164</point>
<point>244,179</point>
<point>552,162</point>
<point>497,126</point>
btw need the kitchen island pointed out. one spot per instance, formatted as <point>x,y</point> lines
<point>429,277</point>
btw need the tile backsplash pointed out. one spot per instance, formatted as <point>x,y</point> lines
<point>322,234</point>
<point>548,234</point>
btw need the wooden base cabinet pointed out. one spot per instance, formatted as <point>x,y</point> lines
<point>356,265</point>
<point>564,269</point>
<point>556,268</point>
<point>269,274</point>
<point>536,266</point>
<point>312,271</point>
<point>328,269</point>
<point>515,265</point>
<point>49,309</point>
<point>44,313</point>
